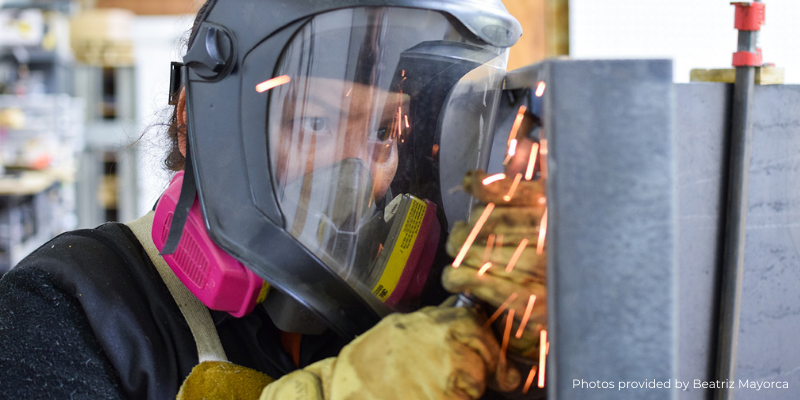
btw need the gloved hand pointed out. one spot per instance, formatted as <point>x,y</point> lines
<point>433,353</point>
<point>222,380</point>
<point>510,223</point>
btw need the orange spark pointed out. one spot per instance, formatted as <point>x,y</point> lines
<point>435,150</point>
<point>512,148</point>
<point>542,233</point>
<point>493,178</point>
<point>540,89</point>
<point>543,147</point>
<point>348,92</point>
<point>513,187</point>
<point>488,250</point>
<point>532,161</point>
<point>500,309</point>
<point>473,234</point>
<point>517,123</point>
<point>484,268</point>
<point>543,345</point>
<point>529,380</point>
<point>517,253</point>
<point>513,134</point>
<point>407,124</point>
<point>507,333</point>
<point>272,83</point>
<point>399,119</point>
<point>542,200</point>
<point>531,301</point>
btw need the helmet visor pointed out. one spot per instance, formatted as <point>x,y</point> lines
<point>355,121</point>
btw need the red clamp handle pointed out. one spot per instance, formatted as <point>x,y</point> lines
<point>747,59</point>
<point>749,16</point>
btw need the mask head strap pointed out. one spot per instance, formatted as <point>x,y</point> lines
<point>189,187</point>
<point>175,82</point>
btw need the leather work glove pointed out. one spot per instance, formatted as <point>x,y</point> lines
<point>508,239</point>
<point>434,353</point>
<point>222,380</point>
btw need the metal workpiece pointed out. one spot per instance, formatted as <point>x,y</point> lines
<point>702,126</point>
<point>766,353</point>
<point>637,226</point>
<point>612,195</point>
<point>769,311</point>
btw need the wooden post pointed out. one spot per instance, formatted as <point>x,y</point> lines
<point>153,7</point>
<point>531,46</point>
<point>557,28</point>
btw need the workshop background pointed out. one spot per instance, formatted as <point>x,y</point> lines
<point>83,96</point>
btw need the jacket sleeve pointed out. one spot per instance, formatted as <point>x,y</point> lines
<point>48,348</point>
<point>87,315</point>
<point>91,299</point>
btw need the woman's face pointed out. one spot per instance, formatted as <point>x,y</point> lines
<point>325,121</point>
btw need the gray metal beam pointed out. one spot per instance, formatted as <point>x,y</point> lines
<point>614,226</point>
<point>767,348</point>
<point>770,300</point>
<point>612,194</point>
<point>702,124</point>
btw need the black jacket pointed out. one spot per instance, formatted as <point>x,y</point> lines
<point>88,316</point>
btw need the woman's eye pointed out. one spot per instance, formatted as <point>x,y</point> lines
<point>314,124</point>
<point>382,134</point>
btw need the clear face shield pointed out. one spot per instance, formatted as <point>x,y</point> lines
<point>368,101</point>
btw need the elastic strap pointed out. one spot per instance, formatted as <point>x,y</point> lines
<point>209,347</point>
<point>185,202</point>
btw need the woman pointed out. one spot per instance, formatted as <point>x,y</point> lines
<point>308,132</point>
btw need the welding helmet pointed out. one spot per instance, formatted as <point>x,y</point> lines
<point>324,141</point>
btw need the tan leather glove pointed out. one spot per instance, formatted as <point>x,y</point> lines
<point>517,272</point>
<point>435,353</point>
<point>222,380</point>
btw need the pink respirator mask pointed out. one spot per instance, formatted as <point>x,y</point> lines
<point>223,283</point>
<point>216,278</point>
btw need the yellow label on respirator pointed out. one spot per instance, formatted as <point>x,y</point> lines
<point>400,247</point>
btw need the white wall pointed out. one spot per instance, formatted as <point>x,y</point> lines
<point>694,33</point>
<point>157,40</point>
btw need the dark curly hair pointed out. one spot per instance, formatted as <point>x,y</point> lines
<point>175,161</point>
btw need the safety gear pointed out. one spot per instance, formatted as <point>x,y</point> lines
<point>526,193</point>
<point>433,353</point>
<point>222,380</point>
<point>306,119</point>
<point>220,281</point>
<point>506,261</point>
